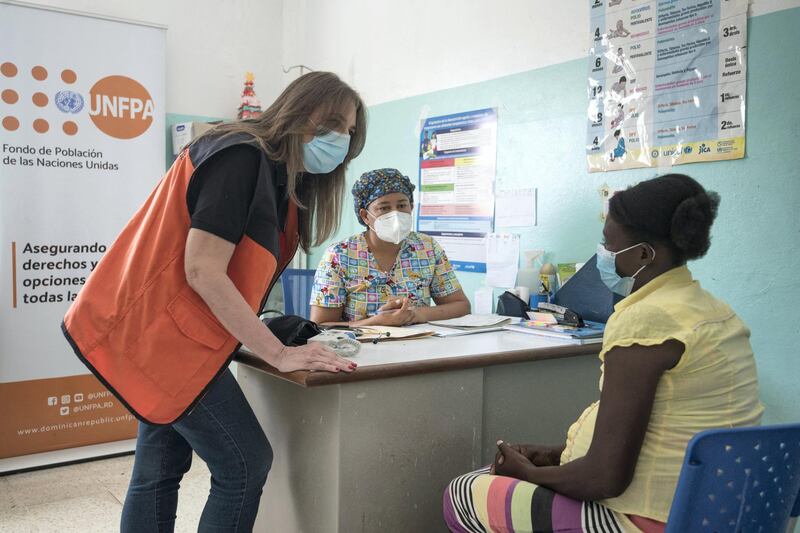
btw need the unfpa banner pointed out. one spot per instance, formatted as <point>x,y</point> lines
<point>82,138</point>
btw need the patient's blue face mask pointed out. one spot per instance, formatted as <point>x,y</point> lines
<point>325,152</point>
<point>607,266</point>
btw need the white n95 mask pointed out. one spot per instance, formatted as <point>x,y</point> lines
<point>393,227</point>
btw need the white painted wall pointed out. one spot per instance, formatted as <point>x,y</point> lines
<point>210,46</point>
<point>391,50</point>
<point>385,49</point>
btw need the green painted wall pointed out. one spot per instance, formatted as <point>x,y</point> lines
<point>754,260</point>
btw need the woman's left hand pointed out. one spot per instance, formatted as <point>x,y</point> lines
<point>513,463</point>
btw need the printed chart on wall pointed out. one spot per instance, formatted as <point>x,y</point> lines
<point>457,161</point>
<point>666,82</point>
<point>82,137</point>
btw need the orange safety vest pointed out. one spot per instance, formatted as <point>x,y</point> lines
<point>139,326</point>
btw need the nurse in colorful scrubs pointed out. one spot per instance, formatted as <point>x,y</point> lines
<point>387,274</point>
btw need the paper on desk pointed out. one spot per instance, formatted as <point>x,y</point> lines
<point>441,331</point>
<point>515,207</point>
<point>502,259</point>
<point>471,321</point>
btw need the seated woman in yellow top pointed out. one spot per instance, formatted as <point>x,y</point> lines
<point>387,274</point>
<point>675,361</point>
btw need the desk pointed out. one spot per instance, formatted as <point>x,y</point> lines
<point>373,450</point>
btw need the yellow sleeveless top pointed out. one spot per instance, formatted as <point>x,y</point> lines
<point>714,385</point>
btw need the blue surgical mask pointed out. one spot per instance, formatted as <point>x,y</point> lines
<point>325,152</point>
<point>607,266</point>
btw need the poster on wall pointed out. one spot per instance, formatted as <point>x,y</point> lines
<point>82,138</point>
<point>666,82</point>
<point>457,162</point>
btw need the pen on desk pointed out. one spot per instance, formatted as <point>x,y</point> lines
<point>387,334</point>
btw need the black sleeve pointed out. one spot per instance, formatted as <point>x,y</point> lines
<point>221,191</point>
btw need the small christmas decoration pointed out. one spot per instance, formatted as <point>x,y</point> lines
<point>251,105</point>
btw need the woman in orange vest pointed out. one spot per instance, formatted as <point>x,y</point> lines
<point>178,292</point>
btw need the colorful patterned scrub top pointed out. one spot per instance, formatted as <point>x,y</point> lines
<point>349,276</point>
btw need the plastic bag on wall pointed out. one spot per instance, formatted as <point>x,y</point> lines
<point>666,83</point>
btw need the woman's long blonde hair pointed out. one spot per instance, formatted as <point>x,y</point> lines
<point>280,129</point>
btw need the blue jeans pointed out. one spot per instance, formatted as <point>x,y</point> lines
<point>225,433</point>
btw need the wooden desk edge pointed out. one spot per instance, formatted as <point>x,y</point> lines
<point>392,370</point>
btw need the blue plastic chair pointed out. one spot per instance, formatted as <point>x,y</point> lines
<point>297,284</point>
<point>739,480</point>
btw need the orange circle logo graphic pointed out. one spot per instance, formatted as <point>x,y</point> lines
<point>10,123</point>
<point>41,125</point>
<point>120,107</point>
<point>40,99</point>
<point>9,70</point>
<point>10,96</point>
<point>68,76</point>
<point>70,128</point>
<point>39,73</point>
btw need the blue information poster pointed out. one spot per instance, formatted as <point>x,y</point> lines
<point>457,160</point>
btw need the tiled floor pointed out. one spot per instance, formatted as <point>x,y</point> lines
<point>87,498</point>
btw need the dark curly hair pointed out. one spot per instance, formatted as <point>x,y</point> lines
<point>672,209</point>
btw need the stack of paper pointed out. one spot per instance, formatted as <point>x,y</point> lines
<point>466,325</point>
<point>472,321</point>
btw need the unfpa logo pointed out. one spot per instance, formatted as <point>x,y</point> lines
<point>118,106</point>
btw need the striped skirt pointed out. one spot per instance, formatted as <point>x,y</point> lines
<point>482,503</point>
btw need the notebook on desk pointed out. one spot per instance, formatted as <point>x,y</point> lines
<point>591,333</point>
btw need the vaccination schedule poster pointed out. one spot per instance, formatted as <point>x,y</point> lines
<point>666,82</point>
<point>457,162</point>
